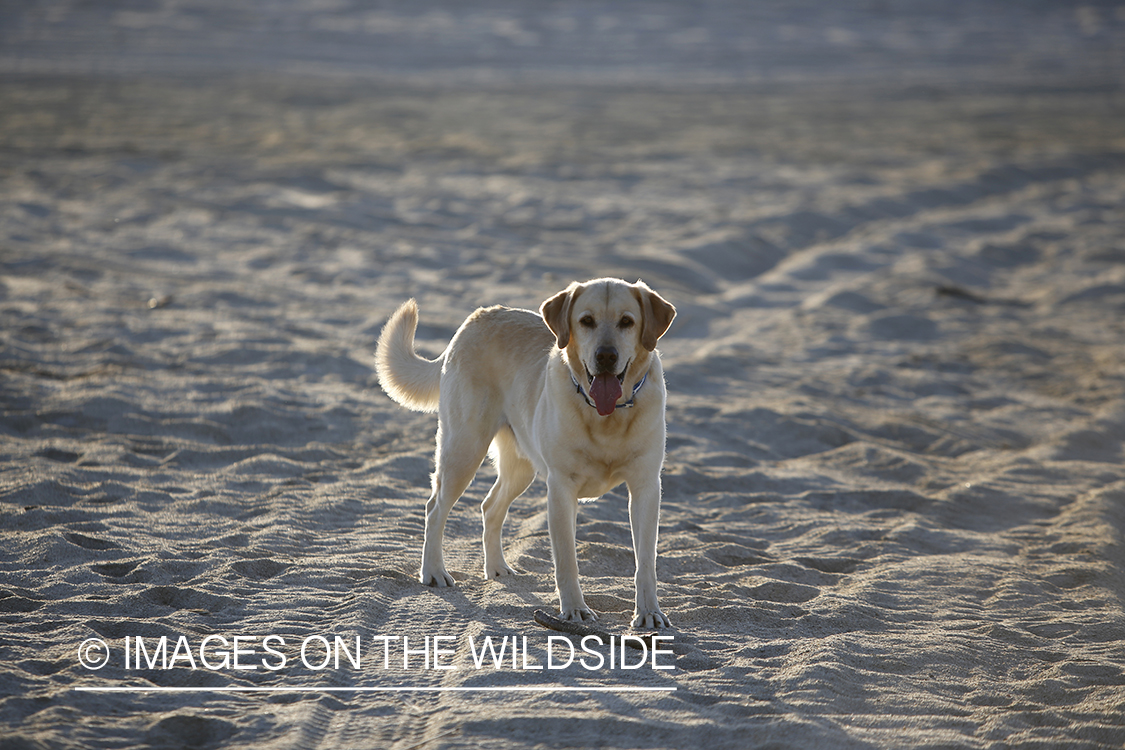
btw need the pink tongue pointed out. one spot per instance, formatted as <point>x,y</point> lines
<point>605,390</point>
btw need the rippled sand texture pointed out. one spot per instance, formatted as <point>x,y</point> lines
<point>894,497</point>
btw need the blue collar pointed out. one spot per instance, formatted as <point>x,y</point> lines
<point>632,397</point>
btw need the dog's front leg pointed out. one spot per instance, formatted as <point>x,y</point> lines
<point>644,520</point>
<point>562,515</point>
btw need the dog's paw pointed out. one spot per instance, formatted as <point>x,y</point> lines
<point>439,579</point>
<point>649,620</point>
<point>581,614</point>
<point>498,571</point>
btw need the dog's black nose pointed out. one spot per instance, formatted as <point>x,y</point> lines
<point>606,357</point>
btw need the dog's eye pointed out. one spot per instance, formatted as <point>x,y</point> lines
<point>626,322</point>
<point>587,320</point>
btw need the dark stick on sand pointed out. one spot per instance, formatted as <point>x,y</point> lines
<point>551,622</point>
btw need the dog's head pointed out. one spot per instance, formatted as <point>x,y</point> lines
<point>609,329</point>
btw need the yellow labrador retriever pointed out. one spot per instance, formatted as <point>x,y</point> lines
<point>579,400</point>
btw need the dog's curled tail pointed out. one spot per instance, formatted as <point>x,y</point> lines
<point>407,378</point>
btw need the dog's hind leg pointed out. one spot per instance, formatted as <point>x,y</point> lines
<point>514,475</point>
<point>459,455</point>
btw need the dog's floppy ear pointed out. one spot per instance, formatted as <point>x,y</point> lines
<point>656,314</point>
<point>556,314</point>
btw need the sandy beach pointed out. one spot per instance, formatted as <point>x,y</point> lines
<point>894,492</point>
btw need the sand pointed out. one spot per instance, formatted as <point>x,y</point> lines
<point>894,495</point>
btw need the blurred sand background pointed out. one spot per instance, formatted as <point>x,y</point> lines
<point>894,496</point>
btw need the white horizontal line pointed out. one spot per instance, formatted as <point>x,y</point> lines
<point>522,689</point>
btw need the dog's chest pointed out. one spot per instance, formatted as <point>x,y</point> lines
<point>610,449</point>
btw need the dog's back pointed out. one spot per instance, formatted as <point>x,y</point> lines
<point>499,346</point>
